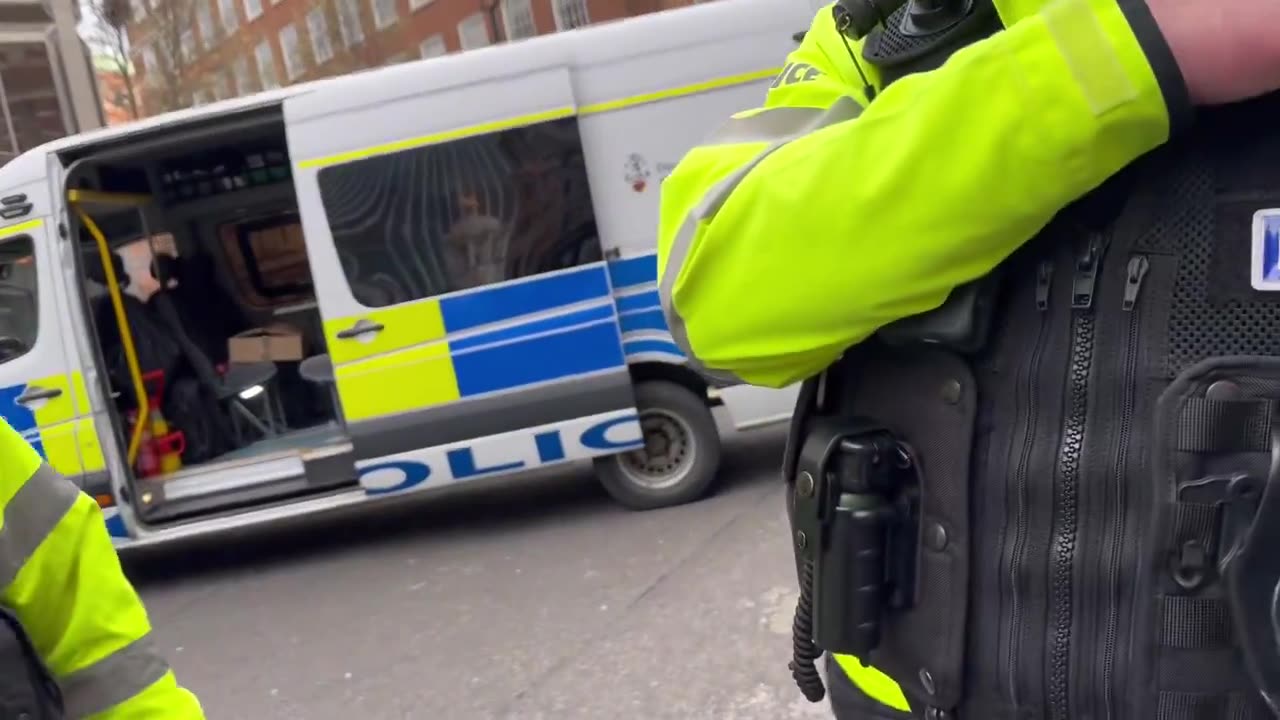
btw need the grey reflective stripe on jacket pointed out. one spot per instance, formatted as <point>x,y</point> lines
<point>776,126</point>
<point>113,679</point>
<point>30,517</point>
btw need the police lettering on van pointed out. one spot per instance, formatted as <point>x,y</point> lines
<point>503,454</point>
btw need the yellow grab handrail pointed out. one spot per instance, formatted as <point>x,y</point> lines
<point>110,199</point>
<point>126,337</point>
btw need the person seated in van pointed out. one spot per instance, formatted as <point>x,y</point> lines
<point>209,312</point>
<point>475,247</point>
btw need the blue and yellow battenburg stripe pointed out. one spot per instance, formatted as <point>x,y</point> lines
<point>487,340</point>
<point>645,335</point>
<point>499,338</point>
<point>59,428</point>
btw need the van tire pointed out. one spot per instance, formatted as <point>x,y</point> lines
<point>679,425</point>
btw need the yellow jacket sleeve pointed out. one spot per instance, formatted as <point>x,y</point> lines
<point>61,577</point>
<point>801,227</point>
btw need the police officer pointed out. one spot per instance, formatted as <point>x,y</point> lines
<point>74,637</point>
<point>1018,251</point>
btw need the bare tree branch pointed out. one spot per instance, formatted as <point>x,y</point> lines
<point>108,36</point>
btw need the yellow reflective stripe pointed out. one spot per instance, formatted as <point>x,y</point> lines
<point>113,679</point>
<point>681,91</point>
<point>440,137</point>
<point>30,516</point>
<point>91,458</point>
<point>873,683</point>
<point>1089,54</point>
<point>20,228</point>
<point>407,379</point>
<point>534,118</point>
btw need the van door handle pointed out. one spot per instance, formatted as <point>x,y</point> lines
<point>35,392</point>
<point>362,327</point>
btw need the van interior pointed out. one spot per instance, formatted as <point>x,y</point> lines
<point>207,252</point>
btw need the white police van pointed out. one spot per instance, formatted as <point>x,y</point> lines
<point>378,284</point>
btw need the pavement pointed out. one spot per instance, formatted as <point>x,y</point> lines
<point>530,598</point>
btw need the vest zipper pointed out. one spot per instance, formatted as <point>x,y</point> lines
<point>1136,272</point>
<point>1044,280</point>
<point>1021,479</point>
<point>1066,496</point>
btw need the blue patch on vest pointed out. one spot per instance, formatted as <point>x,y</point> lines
<point>1265,257</point>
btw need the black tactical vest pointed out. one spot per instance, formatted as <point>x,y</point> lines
<point>1071,532</point>
<point>27,690</point>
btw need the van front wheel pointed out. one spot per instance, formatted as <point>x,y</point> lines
<point>681,452</point>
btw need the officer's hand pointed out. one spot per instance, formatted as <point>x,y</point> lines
<point>1228,50</point>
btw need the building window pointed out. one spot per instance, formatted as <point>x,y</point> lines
<point>318,28</point>
<point>416,5</point>
<point>244,76</point>
<point>266,65</point>
<point>473,32</point>
<point>291,50</point>
<point>433,46</point>
<point>252,9</point>
<point>349,23</point>
<point>204,20</point>
<point>517,19</point>
<point>384,13</point>
<point>188,45</point>
<point>229,16</point>
<point>570,14</point>
<point>19,300</point>
<point>512,206</point>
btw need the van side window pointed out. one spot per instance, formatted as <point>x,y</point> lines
<point>478,210</point>
<point>268,259</point>
<point>19,322</point>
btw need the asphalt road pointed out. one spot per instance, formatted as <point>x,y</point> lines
<point>532,599</point>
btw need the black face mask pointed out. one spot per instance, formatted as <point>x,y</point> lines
<point>166,268</point>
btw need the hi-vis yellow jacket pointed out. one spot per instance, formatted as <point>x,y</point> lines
<point>61,577</point>
<point>803,226</point>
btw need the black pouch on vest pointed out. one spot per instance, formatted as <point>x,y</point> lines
<point>27,690</point>
<point>1217,465</point>
<point>927,398</point>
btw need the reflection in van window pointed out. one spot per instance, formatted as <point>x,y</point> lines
<point>18,300</point>
<point>426,221</point>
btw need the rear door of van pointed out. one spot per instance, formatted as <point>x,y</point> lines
<point>42,388</point>
<point>466,301</point>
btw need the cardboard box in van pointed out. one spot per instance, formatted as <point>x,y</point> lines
<point>276,342</point>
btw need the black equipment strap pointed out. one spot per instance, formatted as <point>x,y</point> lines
<point>1223,426</point>
<point>1205,706</point>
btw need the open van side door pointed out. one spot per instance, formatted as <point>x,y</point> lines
<point>466,301</point>
<point>42,389</point>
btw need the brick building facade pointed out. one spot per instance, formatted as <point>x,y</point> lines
<point>193,51</point>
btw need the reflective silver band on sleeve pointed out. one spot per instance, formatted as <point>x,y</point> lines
<point>30,516</point>
<point>777,126</point>
<point>113,679</point>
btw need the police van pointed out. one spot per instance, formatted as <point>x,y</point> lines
<point>378,284</point>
